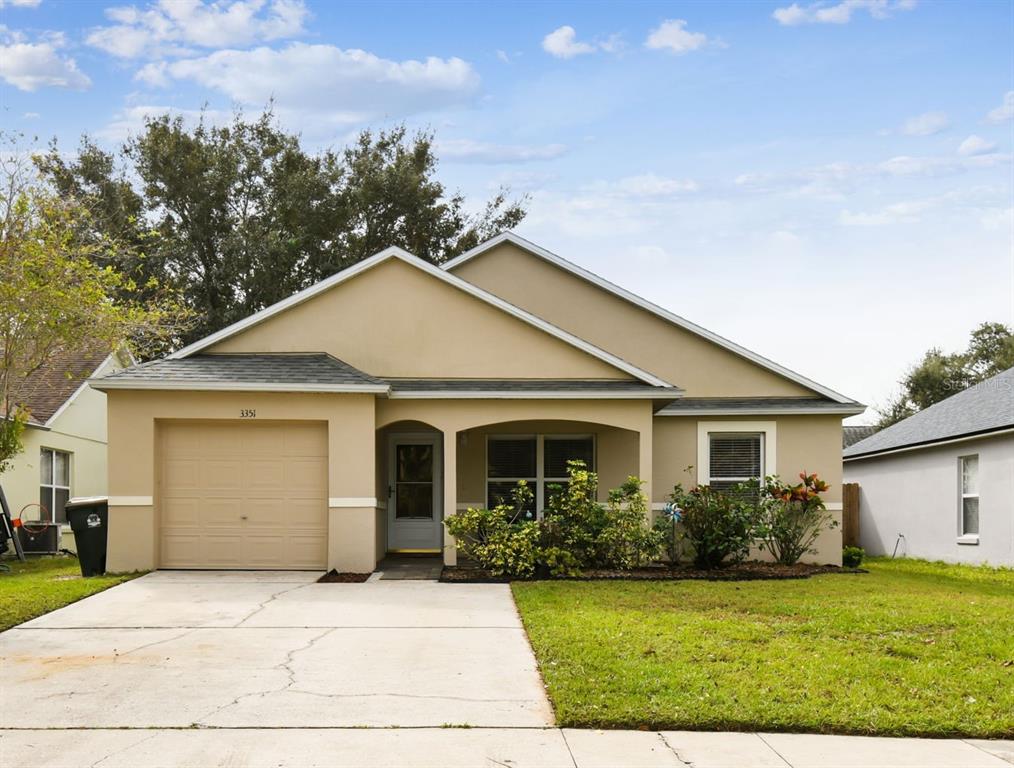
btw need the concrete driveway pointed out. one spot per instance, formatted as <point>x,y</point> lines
<point>274,650</point>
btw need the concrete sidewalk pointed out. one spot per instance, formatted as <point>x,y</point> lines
<point>481,747</point>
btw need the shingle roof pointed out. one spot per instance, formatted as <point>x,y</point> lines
<point>853,434</point>
<point>700,406</point>
<point>520,387</point>
<point>47,389</point>
<point>316,372</point>
<point>982,408</point>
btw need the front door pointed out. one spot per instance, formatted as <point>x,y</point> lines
<point>414,493</point>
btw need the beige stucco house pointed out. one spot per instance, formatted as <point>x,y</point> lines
<point>348,420</point>
<point>64,440</point>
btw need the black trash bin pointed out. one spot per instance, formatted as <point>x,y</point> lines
<point>89,519</point>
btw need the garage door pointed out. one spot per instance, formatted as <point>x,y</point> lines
<point>241,495</point>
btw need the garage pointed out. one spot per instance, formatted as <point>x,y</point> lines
<point>237,495</point>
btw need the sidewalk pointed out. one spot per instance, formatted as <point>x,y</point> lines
<point>481,747</point>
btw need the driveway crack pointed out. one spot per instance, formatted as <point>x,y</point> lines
<point>133,744</point>
<point>264,603</point>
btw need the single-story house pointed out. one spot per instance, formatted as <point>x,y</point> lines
<point>348,420</point>
<point>853,433</point>
<point>940,484</point>
<point>64,439</point>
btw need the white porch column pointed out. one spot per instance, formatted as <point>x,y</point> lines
<point>450,492</point>
<point>644,441</point>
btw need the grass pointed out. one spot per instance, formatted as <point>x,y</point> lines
<point>910,649</point>
<point>43,584</point>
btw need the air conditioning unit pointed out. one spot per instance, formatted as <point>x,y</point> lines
<point>40,540</point>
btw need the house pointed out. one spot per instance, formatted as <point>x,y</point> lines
<point>348,420</point>
<point>851,434</point>
<point>64,439</point>
<point>940,484</point>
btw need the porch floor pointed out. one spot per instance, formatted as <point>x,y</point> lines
<point>410,567</point>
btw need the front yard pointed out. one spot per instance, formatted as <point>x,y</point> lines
<point>910,649</point>
<point>43,584</point>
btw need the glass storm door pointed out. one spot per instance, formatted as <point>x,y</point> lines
<point>415,480</point>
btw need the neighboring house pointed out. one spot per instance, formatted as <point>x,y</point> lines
<point>64,440</point>
<point>348,420</point>
<point>940,484</point>
<point>850,435</point>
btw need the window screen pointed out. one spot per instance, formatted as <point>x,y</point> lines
<point>734,458</point>
<point>969,495</point>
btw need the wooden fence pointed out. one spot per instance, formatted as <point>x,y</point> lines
<point>850,514</point>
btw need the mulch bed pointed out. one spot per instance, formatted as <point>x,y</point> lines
<point>334,577</point>
<point>741,572</point>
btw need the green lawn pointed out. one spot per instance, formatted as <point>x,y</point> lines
<point>911,648</point>
<point>44,584</point>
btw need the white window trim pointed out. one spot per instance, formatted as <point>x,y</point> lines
<point>540,468</point>
<point>769,457</point>
<point>966,538</point>
<point>53,487</point>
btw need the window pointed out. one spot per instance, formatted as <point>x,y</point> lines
<point>969,495</point>
<point>734,457</point>
<point>54,486</point>
<point>539,460</point>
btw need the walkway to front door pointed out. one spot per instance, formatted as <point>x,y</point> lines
<point>410,568</point>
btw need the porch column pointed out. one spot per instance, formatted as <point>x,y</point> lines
<point>450,492</point>
<point>644,441</point>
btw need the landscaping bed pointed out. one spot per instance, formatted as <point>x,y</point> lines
<point>748,571</point>
<point>910,649</point>
<point>343,577</point>
<point>43,584</point>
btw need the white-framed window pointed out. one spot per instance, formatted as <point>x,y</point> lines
<point>730,452</point>
<point>54,483</point>
<point>969,503</point>
<point>539,460</point>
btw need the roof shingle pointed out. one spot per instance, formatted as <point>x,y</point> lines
<point>48,388</point>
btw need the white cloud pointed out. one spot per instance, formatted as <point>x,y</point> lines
<point>333,85</point>
<point>1004,112</point>
<point>672,35</point>
<point>131,120</point>
<point>563,43</point>
<point>468,151</point>
<point>20,3</point>
<point>975,145</point>
<point>649,185</point>
<point>177,27</point>
<point>502,56</point>
<point>906,212</point>
<point>647,255</point>
<point>926,124</point>
<point>839,13</point>
<point>31,115</point>
<point>30,66</point>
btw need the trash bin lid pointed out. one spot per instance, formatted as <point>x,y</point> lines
<point>86,501</point>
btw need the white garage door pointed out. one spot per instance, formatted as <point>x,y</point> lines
<point>243,495</point>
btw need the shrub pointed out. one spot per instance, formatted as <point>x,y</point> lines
<point>719,525</point>
<point>792,517</point>
<point>499,539</point>
<point>852,557</point>
<point>626,539</point>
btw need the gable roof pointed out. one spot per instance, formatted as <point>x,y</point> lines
<point>436,272</point>
<point>47,391</point>
<point>530,247</point>
<point>981,409</point>
<point>852,434</point>
<point>284,372</point>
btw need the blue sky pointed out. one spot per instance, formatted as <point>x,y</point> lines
<point>828,184</point>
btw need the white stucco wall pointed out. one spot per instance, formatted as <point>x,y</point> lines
<point>917,493</point>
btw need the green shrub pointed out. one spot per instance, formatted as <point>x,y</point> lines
<point>791,517</point>
<point>852,557</point>
<point>499,539</point>
<point>718,525</point>
<point>626,540</point>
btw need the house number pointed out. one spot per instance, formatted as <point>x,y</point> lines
<point>247,413</point>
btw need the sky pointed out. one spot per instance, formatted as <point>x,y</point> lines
<point>828,184</point>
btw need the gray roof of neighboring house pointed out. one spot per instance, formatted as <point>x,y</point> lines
<point>704,406</point>
<point>297,372</point>
<point>982,408</point>
<point>853,434</point>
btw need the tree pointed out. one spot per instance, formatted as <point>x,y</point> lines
<point>241,215</point>
<point>58,290</point>
<point>939,375</point>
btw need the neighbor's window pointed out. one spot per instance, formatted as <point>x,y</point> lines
<point>540,460</point>
<point>734,457</point>
<point>969,495</point>
<point>54,487</point>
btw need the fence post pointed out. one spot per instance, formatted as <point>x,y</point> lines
<point>850,514</point>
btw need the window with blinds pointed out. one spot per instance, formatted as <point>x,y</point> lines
<point>540,460</point>
<point>734,457</point>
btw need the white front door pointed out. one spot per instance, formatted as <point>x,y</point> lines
<point>415,482</point>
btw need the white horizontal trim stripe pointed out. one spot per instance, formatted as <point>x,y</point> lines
<point>934,444</point>
<point>343,502</point>
<point>130,501</point>
<point>833,506</point>
<point>447,277</point>
<point>842,410</point>
<point>520,242</point>
<point>461,506</point>
<point>532,395</point>
<point>214,386</point>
